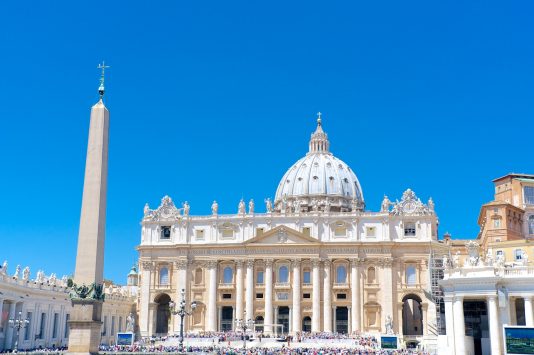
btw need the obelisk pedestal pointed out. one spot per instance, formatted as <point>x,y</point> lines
<point>87,293</point>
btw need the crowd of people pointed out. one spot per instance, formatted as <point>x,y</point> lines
<point>284,350</point>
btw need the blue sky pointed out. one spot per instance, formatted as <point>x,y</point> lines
<point>215,100</point>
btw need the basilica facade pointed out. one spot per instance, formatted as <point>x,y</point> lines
<point>314,261</point>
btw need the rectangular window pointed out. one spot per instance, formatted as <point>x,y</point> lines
<point>28,327</point>
<point>165,232</point>
<point>341,296</point>
<point>409,229</point>
<point>529,195</point>
<point>411,275</point>
<point>306,279</point>
<point>282,296</point>
<point>112,325</point>
<point>228,234</point>
<point>120,324</point>
<point>497,223</point>
<point>199,234</point>
<point>227,296</point>
<point>370,231</point>
<point>518,254</point>
<point>259,278</point>
<point>306,295</point>
<point>340,231</point>
<point>42,326</point>
<point>54,326</point>
<point>67,318</point>
<point>259,295</point>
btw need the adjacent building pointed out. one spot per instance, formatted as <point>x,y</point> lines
<point>44,301</point>
<point>489,282</point>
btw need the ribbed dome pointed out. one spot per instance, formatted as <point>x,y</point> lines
<point>319,181</point>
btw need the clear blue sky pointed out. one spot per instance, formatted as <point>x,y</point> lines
<point>215,100</point>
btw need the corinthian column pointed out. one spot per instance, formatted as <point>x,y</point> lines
<point>355,295</point>
<point>529,319</point>
<point>268,296</point>
<point>459,325</point>
<point>316,301</point>
<point>494,331</point>
<point>327,305</point>
<point>296,296</point>
<point>144,299</point>
<point>181,283</point>
<point>239,289</point>
<point>212,297</point>
<point>249,301</point>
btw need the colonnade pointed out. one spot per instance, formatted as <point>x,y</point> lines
<point>245,286</point>
<point>454,314</point>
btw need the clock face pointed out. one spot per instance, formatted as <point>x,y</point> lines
<point>409,207</point>
<point>165,213</point>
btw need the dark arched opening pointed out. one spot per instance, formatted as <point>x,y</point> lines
<point>227,318</point>
<point>162,313</point>
<point>412,315</point>
<point>283,318</point>
<point>259,323</point>
<point>342,320</point>
<point>306,324</point>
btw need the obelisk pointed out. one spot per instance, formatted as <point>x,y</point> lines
<point>86,288</point>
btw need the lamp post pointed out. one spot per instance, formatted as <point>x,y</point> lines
<point>18,324</point>
<point>182,312</point>
<point>243,325</point>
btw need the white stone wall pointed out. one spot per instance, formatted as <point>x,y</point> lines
<point>29,296</point>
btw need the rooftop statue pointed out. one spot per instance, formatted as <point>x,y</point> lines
<point>268,205</point>
<point>26,273</point>
<point>16,275</point>
<point>385,204</point>
<point>214,208</point>
<point>186,208</point>
<point>241,207</point>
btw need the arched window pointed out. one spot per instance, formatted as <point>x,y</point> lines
<point>341,274</point>
<point>371,275</point>
<point>198,276</point>
<point>228,275</point>
<point>411,278</point>
<point>531,224</point>
<point>163,276</point>
<point>283,274</point>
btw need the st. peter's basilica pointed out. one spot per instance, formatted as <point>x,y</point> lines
<point>316,260</point>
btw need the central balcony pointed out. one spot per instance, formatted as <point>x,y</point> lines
<point>226,286</point>
<point>341,285</point>
<point>282,285</point>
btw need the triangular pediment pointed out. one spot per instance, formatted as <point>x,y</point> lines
<point>282,235</point>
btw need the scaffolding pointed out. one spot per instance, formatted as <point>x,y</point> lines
<point>436,268</point>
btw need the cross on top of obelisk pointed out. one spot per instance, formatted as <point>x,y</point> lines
<point>102,66</point>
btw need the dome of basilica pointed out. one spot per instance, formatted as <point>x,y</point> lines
<point>319,181</point>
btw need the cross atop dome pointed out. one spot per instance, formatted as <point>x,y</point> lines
<point>319,142</point>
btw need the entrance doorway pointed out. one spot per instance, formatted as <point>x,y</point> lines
<point>306,324</point>
<point>283,318</point>
<point>412,315</point>
<point>258,324</point>
<point>162,314</point>
<point>476,322</point>
<point>342,320</point>
<point>227,318</point>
